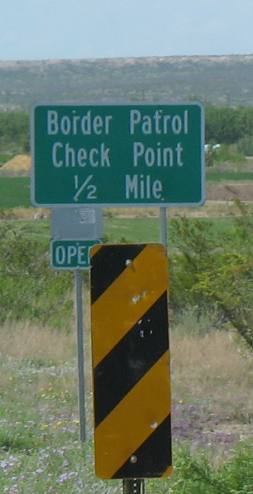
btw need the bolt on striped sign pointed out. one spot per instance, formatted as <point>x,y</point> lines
<point>130,352</point>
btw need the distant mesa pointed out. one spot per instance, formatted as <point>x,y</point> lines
<point>218,80</point>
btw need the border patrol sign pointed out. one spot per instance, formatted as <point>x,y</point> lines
<point>117,155</point>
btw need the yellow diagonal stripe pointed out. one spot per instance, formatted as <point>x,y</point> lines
<point>94,249</point>
<point>133,420</point>
<point>128,298</point>
<point>168,472</point>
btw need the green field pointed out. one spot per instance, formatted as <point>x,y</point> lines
<point>217,176</point>
<point>14,192</point>
<point>4,157</point>
<point>120,229</point>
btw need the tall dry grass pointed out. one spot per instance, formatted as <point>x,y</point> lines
<point>212,369</point>
<point>27,341</point>
<point>216,369</point>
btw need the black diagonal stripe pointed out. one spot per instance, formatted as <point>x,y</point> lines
<point>152,458</point>
<point>131,358</point>
<point>108,263</point>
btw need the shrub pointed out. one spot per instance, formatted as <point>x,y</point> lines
<point>195,474</point>
<point>228,153</point>
<point>245,145</point>
<point>29,289</point>
<point>215,273</point>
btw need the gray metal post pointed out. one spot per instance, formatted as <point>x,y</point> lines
<point>80,351</point>
<point>164,227</point>
<point>133,486</point>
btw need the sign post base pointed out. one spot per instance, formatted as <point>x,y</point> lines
<point>133,486</point>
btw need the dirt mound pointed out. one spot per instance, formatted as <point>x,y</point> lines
<point>20,163</point>
<point>229,191</point>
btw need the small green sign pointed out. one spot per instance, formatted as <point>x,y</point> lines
<point>71,254</point>
<point>118,155</point>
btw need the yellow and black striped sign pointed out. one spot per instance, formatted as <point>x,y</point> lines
<point>130,352</point>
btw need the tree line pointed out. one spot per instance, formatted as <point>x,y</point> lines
<point>14,131</point>
<point>222,125</point>
<point>228,125</point>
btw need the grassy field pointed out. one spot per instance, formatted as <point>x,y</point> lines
<point>217,176</point>
<point>39,428</point>
<point>212,373</point>
<point>122,229</point>
<point>4,157</point>
<point>14,192</point>
<point>29,289</point>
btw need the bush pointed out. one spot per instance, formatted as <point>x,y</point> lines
<point>245,145</point>
<point>215,272</point>
<point>228,125</point>
<point>29,289</point>
<point>14,132</point>
<point>195,474</point>
<point>228,153</point>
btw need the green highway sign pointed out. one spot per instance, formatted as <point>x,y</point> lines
<point>71,254</point>
<point>118,155</point>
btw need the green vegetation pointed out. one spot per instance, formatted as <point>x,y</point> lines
<point>14,134</point>
<point>210,268</point>
<point>4,157</point>
<point>39,428</point>
<point>232,129</point>
<point>215,272</point>
<point>29,289</point>
<point>245,144</point>
<point>195,475</point>
<point>228,154</point>
<point>228,125</point>
<point>215,175</point>
<point>211,271</point>
<point>14,192</point>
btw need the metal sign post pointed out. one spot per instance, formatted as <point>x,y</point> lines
<point>74,231</point>
<point>80,352</point>
<point>137,486</point>
<point>164,228</point>
<point>134,486</point>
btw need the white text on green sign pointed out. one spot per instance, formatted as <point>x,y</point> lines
<point>118,155</point>
<point>71,254</point>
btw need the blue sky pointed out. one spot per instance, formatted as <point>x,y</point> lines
<point>44,29</point>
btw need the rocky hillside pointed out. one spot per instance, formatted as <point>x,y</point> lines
<point>220,80</point>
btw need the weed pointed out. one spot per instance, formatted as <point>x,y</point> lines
<point>19,440</point>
